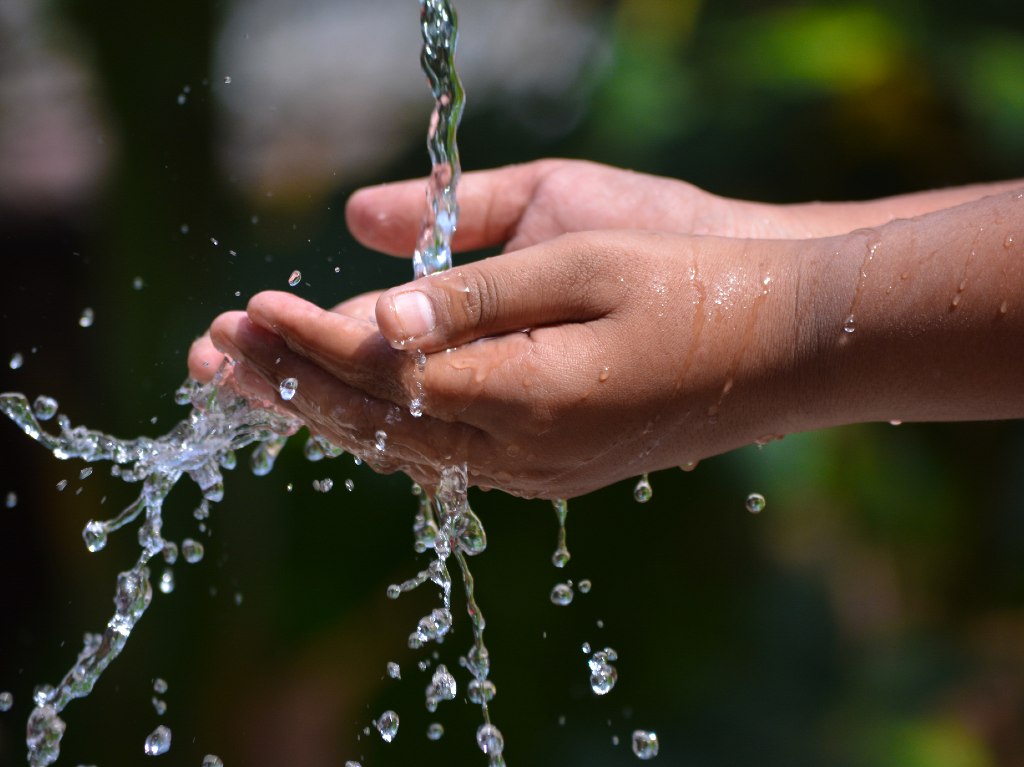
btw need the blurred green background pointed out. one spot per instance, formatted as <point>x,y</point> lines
<point>872,615</point>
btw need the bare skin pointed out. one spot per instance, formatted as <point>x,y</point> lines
<point>585,356</point>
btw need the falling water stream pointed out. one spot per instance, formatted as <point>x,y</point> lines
<point>220,422</point>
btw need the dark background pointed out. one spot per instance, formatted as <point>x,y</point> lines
<point>872,615</point>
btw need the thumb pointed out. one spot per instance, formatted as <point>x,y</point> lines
<point>546,284</point>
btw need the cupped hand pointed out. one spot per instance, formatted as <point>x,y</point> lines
<point>550,371</point>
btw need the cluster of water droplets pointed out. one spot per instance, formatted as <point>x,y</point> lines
<point>199,447</point>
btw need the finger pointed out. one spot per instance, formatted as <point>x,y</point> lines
<point>549,283</point>
<point>345,416</point>
<point>359,307</point>
<point>388,218</point>
<point>350,349</point>
<point>204,359</point>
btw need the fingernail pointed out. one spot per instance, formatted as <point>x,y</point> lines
<point>414,313</point>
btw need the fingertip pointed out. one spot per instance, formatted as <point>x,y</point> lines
<point>406,317</point>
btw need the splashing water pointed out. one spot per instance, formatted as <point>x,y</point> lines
<point>198,447</point>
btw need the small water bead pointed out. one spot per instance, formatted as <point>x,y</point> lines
<point>586,648</point>
<point>689,466</point>
<point>85,473</point>
<point>584,586</point>
<point>295,278</point>
<point>481,691</point>
<point>288,388</point>
<point>350,763</point>
<point>387,726</point>
<point>170,552</point>
<point>350,485</point>
<point>755,503</point>
<point>442,687</point>
<point>87,318</point>
<point>849,324</point>
<point>645,744</point>
<point>394,670</point>
<point>643,492</point>
<point>490,740</point>
<point>11,500</point>
<point>6,701</point>
<point>158,742</point>
<point>560,558</point>
<point>380,441</point>
<point>415,404</point>
<point>435,731</point>
<point>192,551</point>
<point>95,536</point>
<point>61,485</point>
<point>16,361</point>
<point>324,485</point>
<point>212,760</point>
<point>160,686</point>
<point>138,283</point>
<point>166,584</point>
<point>615,740</point>
<point>394,591</point>
<point>45,407</point>
<point>159,706</point>
<point>1008,242</point>
<point>603,675</point>
<point>562,594</point>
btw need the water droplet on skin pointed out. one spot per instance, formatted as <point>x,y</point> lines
<point>158,742</point>
<point>87,318</point>
<point>895,422</point>
<point>490,740</point>
<point>415,407</point>
<point>1003,307</point>
<point>380,441</point>
<point>394,670</point>
<point>562,594</point>
<point>288,388</point>
<point>192,551</point>
<point>45,407</point>
<point>1008,242</point>
<point>12,500</point>
<point>212,760</point>
<point>16,361</point>
<point>603,375</point>
<point>643,492</point>
<point>6,701</point>
<point>435,731</point>
<point>645,744</point>
<point>755,503</point>
<point>295,278</point>
<point>849,324</point>
<point>387,726</point>
<point>584,586</point>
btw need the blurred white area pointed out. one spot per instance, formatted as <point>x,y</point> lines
<point>53,150</point>
<point>316,93</point>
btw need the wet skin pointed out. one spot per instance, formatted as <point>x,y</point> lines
<point>609,340</point>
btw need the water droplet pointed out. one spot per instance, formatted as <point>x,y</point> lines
<point>615,740</point>
<point>87,318</point>
<point>442,687</point>
<point>645,744</point>
<point>1008,242</point>
<point>12,500</point>
<point>61,485</point>
<point>849,324</point>
<point>214,241</point>
<point>138,283</point>
<point>603,675</point>
<point>212,760</point>
<point>85,473</point>
<point>380,441</point>
<point>166,584</point>
<point>227,79</point>
<point>560,558</point>
<point>415,405</point>
<point>394,591</point>
<point>387,726</point>
<point>324,485</point>
<point>16,361</point>
<point>160,686</point>
<point>295,278</point>
<point>895,422</point>
<point>160,706</point>
<point>158,742</point>
<point>481,691</point>
<point>435,731</point>
<point>394,670</point>
<point>350,485</point>
<point>192,551</point>
<point>490,739</point>
<point>6,701</point>
<point>561,594</point>
<point>585,586</point>
<point>95,536</point>
<point>603,375</point>
<point>755,503</point>
<point>288,388</point>
<point>350,763</point>
<point>643,492</point>
<point>45,407</point>
<point>183,228</point>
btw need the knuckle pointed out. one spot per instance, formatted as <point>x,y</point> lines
<point>480,298</point>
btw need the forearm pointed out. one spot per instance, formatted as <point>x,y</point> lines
<point>921,319</point>
<point>826,219</point>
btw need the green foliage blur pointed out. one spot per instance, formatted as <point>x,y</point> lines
<point>872,615</point>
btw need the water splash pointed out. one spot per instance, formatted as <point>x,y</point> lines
<point>561,556</point>
<point>219,423</point>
